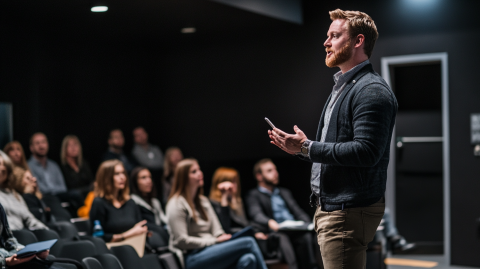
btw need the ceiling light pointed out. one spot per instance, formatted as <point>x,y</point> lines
<point>99,9</point>
<point>188,30</point>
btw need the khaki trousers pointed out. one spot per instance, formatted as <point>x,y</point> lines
<point>343,235</point>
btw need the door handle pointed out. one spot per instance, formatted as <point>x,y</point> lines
<point>401,140</point>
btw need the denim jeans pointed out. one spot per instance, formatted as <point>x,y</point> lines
<point>240,253</point>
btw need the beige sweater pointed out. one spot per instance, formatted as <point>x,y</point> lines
<point>18,215</point>
<point>185,233</point>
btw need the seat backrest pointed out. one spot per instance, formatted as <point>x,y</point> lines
<point>109,261</point>
<point>44,235</point>
<point>25,237</point>
<point>77,250</point>
<point>91,263</point>
<point>127,256</point>
<point>169,261</point>
<point>65,229</point>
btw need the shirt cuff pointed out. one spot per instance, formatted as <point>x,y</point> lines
<point>309,149</point>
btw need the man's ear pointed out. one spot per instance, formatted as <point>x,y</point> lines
<point>359,40</point>
<point>258,176</point>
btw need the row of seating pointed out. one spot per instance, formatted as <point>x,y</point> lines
<point>93,253</point>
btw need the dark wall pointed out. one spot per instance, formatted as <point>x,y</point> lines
<point>208,93</point>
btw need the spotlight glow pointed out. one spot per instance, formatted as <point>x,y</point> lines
<point>188,30</point>
<point>99,9</point>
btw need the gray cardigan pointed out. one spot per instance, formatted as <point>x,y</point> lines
<point>356,150</point>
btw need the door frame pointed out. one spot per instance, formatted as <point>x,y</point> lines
<point>441,58</point>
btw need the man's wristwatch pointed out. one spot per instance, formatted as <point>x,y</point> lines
<point>305,149</point>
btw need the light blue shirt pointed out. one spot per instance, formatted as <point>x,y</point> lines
<point>49,178</point>
<point>279,207</point>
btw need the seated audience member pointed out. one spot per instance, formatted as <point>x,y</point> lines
<point>195,228</point>
<point>226,200</point>
<point>49,176</point>
<point>173,155</point>
<point>9,246</point>
<point>144,195</point>
<point>47,172</point>
<point>116,141</point>
<point>15,207</point>
<point>397,243</point>
<point>147,155</point>
<point>76,170</point>
<point>84,211</point>
<point>119,216</point>
<point>268,205</point>
<point>26,184</point>
<point>14,150</point>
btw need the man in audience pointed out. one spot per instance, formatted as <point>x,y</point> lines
<point>49,176</point>
<point>146,154</point>
<point>116,141</point>
<point>269,205</point>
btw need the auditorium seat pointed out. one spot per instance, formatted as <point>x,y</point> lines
<point>129,258</point>
<point>109,261</point>
<point>25,237</point>
<point>76,250</point>
<point>91,263</point>
<point>43,235</point>
<point>169,261</point>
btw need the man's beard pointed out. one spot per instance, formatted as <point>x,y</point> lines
<point>268,182</point>
<point>339,57</point>
<point>40,155</point>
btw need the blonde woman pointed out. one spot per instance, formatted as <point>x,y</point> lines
<point>19,216</point>
<point>118,214</point>
<point>75,169</point>
<point>14,150</point>
<point>196,230</point>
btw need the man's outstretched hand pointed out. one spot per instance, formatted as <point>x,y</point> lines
<point>290,143</point>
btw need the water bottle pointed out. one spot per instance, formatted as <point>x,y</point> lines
<point>97,229</point>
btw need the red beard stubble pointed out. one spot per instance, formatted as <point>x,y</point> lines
<point>339,57</point>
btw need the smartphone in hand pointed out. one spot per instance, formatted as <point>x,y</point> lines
<point>270,123</point>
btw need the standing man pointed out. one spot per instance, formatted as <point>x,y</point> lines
<point>351,151</point>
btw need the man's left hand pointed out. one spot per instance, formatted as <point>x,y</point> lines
<point>290,143</point>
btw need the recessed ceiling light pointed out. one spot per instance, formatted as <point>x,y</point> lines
<point>99,9</point>
<point>188,30</point>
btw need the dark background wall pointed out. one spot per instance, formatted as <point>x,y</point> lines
<point>67,70</point>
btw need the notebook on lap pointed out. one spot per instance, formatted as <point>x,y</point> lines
<point>35,248</point>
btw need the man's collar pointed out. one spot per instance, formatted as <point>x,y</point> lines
<point>267,191</point>
<point>37,162</point>
<point>341,78</point>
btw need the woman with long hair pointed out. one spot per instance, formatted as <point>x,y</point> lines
<point>118,215</point>
<point>144,195</point>
<point>14,150</point>
<point>226,199</point>
<point>173,155</point>
<point>76,170</point>
<point>196,229</point>
<point>18,214</point>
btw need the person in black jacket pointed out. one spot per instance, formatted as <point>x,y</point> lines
<point>351,151</point>
<point>269,205</point>
<point>144,194</point>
